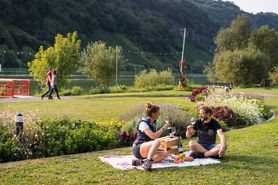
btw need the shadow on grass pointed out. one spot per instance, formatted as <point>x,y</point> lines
<point>251,159</point>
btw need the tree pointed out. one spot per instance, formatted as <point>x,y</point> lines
<point>236,36</point>
<point>98,62</point>
<point>273,75</point>
<point>210,72</point>
<point>266,40</point>
<point>63,57</point>
<point>197,66</point>
<point>241,66</point>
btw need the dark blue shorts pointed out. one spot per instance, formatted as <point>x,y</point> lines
<point>209,146</point>
<point>136,152</point>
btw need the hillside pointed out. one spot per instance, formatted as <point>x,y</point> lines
<point>222,13</point>
<point>148,30</point>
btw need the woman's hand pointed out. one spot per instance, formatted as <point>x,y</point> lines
<point>166,125</point>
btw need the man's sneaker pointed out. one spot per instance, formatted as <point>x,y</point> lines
<point>217,157</point>
<point>197,155</point>
<point>137,162</point>
<point>148,165</point>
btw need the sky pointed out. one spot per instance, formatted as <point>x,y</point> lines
<point>255,6</point>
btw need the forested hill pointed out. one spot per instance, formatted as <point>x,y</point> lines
<point>148,30</point>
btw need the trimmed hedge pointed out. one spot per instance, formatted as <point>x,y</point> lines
<point>48,137</point>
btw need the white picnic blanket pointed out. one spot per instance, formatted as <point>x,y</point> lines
<point>125,162</point>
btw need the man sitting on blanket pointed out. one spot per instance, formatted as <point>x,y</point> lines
<point>206,128</point>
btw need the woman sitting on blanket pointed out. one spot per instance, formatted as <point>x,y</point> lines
<point>147,143</point>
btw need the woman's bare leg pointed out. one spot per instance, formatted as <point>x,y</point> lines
<point>150,151</point>
<point>160,155</point>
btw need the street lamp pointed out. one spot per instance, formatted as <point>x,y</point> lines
<point>19,121</point>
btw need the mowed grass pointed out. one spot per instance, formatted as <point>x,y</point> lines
<point>86,108</point>
<point>168,93</point>
<point>271,91</point>
<point>252,156</point>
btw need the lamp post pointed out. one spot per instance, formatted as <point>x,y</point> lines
<point>19,121</point>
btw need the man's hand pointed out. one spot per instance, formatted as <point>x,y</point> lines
<point>222,150</point>
<point>190,131</point>
<point>190,128</point>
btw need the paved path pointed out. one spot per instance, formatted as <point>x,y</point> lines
<point>28,98</point>
<point>34,98</point>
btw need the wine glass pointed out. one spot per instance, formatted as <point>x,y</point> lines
<point>173,131</point>
<point>193,120</point>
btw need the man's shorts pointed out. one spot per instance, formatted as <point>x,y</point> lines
<point>209,146</point>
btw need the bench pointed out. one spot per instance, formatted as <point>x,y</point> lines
<point>226,86</point>
<point>265,83</point>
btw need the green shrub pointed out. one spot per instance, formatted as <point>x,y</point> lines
<point>153,78</point>
<point>99,90</point>
<point>50,137</point>
<point>118,89</point>
<point>65,92</point>
<point>273,75</point>
<point>224,126</point>
<point>176,117</point>
<point>130,126</point>
<point>77,90</point>
<point>67,136</point>
<point>7,145</point>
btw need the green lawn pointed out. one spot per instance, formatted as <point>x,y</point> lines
<point>87,108</point>
<point>169,93</point>
<point>272,91</point>
<point>252,156</point>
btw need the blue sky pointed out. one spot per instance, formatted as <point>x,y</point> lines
<point>256,6</point>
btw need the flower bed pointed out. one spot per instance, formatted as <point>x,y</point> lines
<point>196,92</point>
<point>236,111</point>
<point>55,137</point>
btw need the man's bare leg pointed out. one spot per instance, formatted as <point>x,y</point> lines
<point>196,147</point>
<point>213,152</point>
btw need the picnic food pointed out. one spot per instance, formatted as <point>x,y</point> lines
<point>181,158</point>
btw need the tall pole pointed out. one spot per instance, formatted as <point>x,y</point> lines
<point>116,66</point>
<point>183,45</point>
<point>182,81</point>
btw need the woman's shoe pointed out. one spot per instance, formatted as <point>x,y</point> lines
<point>137,162</point>
<point>148,165</point>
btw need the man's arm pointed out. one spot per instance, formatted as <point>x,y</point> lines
<point>190,131</point>
<point>222,142</point>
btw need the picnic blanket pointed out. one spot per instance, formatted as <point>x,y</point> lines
<point>125,162</point>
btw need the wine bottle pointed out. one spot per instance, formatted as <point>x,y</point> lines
<point>180,147</point>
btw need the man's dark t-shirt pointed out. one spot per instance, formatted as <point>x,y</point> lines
<point>206,131</point>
